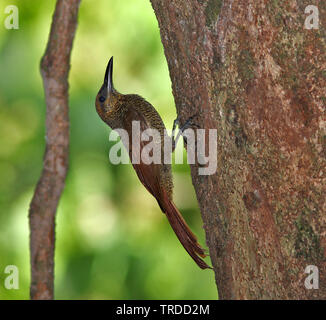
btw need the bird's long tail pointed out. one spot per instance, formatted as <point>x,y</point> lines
<point>184,234</point>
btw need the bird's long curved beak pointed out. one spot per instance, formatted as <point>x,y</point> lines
<point>108,76</point>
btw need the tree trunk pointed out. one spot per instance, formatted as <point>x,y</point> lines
<point>252,71</point>
<point>55,67</point>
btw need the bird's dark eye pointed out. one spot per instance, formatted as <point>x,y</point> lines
<point>102,99</point>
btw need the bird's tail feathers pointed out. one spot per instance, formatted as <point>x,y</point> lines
<point>184,234</point>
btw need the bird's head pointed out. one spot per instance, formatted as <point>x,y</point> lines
<point>107,97</point>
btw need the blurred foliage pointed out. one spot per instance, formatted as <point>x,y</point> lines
<point>112,240</point>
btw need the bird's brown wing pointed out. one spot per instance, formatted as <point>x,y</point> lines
<point>149,175</point>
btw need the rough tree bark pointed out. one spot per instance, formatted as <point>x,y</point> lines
<point>55,66</point>
<point>256,75</point>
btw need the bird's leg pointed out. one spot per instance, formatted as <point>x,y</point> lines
<point>189,123</point>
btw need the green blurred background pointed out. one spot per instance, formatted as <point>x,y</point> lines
<point>113,242</point>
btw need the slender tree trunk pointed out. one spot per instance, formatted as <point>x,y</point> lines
<point>252,71</point>
<point>54,68</point>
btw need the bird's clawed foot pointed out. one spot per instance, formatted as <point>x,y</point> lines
<point>188,124</point>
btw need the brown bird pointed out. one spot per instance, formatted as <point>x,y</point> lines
<point>119,111</point>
